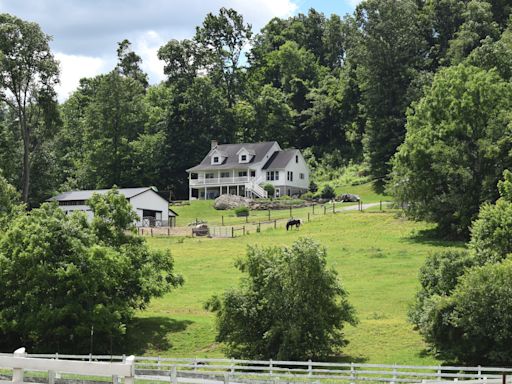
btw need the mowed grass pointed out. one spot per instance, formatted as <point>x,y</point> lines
<point>202,210</point>
<point>376,254</point>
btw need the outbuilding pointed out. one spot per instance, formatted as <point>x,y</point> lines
<point>151,208</point>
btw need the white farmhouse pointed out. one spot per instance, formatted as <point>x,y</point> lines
<point>242,169</point>
<point>151,208</point>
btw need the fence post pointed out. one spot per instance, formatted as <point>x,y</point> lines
<point>352,372</point>
<point>361,205</point>
<point>325,210</point>
<point>291,212</point>
<point>259,227</point>
<point>243,230</point>
<point>394,374</point>
<point>381,205</point>
<point>275,224</point>
<point>130,379</point>
<point>333,207</point>
<point>226,378</point>
<point>174,375</point>
<point>308,217</point>
<point>168,231</point>
<point>269,215</point>
<point>17,373</point>
<point>151,232</point>
<point>313,208</point>
<point>310,366</point>
<point>232,231</point>
<point>142,229</point>
<point>222,220</point>
<point>270,367</point>
<point>51,377</point>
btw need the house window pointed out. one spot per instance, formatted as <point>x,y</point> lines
<point>216,159</point>
<point>243,158</point>
<point>289,176</point>
<point>273,175</point>
<point>208,175</point>
<point>242,173</point>
<point>302,176</point>
<point>253,173</point>
<point>224,174</point>
<point>296,158</point>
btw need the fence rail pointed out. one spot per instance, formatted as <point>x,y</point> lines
<point>225,371</point>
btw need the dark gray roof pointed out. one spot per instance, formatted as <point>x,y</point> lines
<point>87,194</point>
<point>230,150</point>
<point>280,159</point>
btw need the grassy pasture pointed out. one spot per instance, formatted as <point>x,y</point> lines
<point>376,254</point>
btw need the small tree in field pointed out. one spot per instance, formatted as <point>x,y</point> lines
<point>270,189</point>
<point>328,192</point>
<point>288,307</point>
<point>64,278</point>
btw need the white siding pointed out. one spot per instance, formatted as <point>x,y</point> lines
<point>152,201</point>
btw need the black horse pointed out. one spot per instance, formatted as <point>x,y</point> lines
<point>292,222</point>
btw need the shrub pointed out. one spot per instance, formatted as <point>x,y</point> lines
<point>271,191</point>
<point>288,307</point>
<point>242,211</point>
<point>10,204</point>
<point>328,192</point>
<point>313,187</point>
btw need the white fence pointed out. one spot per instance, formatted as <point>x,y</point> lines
<point>230,371</point>
<point>19,362</point>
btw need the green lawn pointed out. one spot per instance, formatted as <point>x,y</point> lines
<point>377,255</point>
<point>203,209</point>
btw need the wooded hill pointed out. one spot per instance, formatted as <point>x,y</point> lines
<point>343,88</point>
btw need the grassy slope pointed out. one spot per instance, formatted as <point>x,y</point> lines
<point>376,254</point>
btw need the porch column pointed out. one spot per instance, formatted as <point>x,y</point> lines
<point>189,193</point>
<point>237,190</point>
<point>205,190</point>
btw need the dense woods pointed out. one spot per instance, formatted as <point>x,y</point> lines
<point>351,89</point>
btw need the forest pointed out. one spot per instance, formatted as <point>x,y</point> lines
<point>418,91</point>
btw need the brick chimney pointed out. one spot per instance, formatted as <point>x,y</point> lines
<point>214,143</point>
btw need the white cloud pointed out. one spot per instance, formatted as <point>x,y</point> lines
<point>75,67</point>
<point>85,32</point>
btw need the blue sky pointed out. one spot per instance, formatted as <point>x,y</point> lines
<point>85,32</point>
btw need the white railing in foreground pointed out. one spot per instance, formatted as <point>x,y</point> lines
<point>214,371</point>
<point>19,362</point>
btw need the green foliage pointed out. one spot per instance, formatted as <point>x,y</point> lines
<point>313,187</point>
<point>242,211</point>
<point>289,306</point>
<point>10,205</point>
<point>270,189</point>
<point>64,277</point>
<point>328,192</point>
<point>458,138</point>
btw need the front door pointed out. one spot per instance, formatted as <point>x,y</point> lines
<point>278,191</point>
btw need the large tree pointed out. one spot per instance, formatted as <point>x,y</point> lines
<point>28,74</point>
<point>457,145</point>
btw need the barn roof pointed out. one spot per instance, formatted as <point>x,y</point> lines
<point>87,194</point>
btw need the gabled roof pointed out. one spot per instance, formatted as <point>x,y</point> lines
<point>231,161</point>
<point>87,194</point>
<point>280,159</point>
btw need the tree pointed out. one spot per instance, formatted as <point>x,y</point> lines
<point>129,63</point>
<point>456,148</point>
<point>388,53</point>
<point>65,278</point>
<point>28,74</point>
<point>223,37</point>
<point>328,192</point>
<point>10,205</point>
<point>270,189</point>
<point>289,306</point>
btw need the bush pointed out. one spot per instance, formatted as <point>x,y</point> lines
<point>307,196</point>
<point>10,203</point>
<point>271,191</point>
<point>62,276</point>
<point>288,307</point>
<point>242,211</point>
<point>313,187</point>
<point>328,192</point>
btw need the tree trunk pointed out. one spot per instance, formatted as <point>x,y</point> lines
<point>25,180</point>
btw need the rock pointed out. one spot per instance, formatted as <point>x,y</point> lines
<point>348,197</point>
<point>224,202</point>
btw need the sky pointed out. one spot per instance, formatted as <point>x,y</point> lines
<point>85,33</point>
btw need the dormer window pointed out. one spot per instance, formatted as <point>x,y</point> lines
<point>216,160</point>
<point>244,155</point>
<point>243,158</point>
<point>217,157</point>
